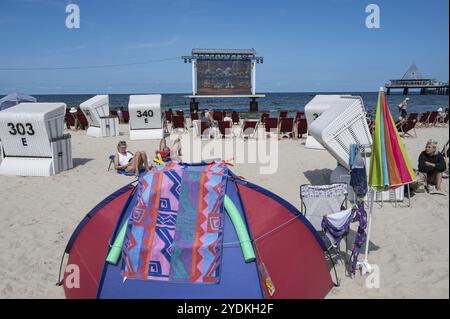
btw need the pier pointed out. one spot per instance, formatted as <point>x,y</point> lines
<point>414,80</point>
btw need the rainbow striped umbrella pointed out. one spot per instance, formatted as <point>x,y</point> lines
<point>389,164</point>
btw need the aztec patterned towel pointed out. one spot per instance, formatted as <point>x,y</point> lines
<point>175,231</point>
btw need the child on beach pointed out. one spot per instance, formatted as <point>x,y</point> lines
<point>125,160</point>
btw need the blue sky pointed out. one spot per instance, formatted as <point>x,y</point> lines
<point>320,45</point>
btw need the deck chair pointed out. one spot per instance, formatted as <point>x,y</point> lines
<point>179,113</point>
<point>299,116</point>
<point>194,116</point>
<point>445,120</point>
<point>322,200</point>
<point>270,124</point>
<point>286,127</point>
<point>235,119</point>
<point>204,129</point>
<point>263,118</point>
<point>431,121</point>
<point>218,116</point>
<point>69,120</point>
<point>168,116</point>
<point>283,114</point>
<point>119,171</point>
<point>406,127</point>
<point>423,119</point>
<point>249,128</point>
<point>178,123</point>
<point>225,129</point>
<point>302,127</point>
<point>413,116</point>
<point>82,120</point>
<point>126,116</point>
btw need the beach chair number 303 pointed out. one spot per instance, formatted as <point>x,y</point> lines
<point>21,129</point>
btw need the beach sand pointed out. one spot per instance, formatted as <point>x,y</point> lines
<point>409,245</point>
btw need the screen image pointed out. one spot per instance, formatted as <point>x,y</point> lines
<point>224,77</point>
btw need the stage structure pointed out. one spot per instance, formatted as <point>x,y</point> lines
<point>223,73</point>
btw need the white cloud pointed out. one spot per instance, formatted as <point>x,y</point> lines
<point>152,45</point>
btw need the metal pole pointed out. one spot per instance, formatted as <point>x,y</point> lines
<point>366,267</point>
<point>194,77</point>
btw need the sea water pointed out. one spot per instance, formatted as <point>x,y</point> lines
<point>272,103</point>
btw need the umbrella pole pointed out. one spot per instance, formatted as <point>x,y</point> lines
<point>365,266</point>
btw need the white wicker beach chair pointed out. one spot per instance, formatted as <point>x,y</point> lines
<point>33,140</point>
<point>145,117</point>
<point>96,111</point>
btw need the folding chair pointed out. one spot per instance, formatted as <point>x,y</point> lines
<point>194,116</point>
<point>235,119</point>
<point>286,127</point>
<point>111,161</point>
<point>283,114</point>
<point>218,116</point>
<point>168,116</point>
<point>413,116</point>
<point>178,123</point>
<point>318,201</point>
<point>204,129</point>
<point>249,128</point>
<point>263,118</point>
<point>82,120</point>
<point>270,124</point>
<point>225,129</point>
<point>299,116</point>
<point>406,127</point>
<point>302,127</point>
<point>126,116</point>
<point>431,121</point>
<point>423,119</point>
<point>70,121</point>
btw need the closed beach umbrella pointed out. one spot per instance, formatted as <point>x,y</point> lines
<point>14,99</point>
<point>390,167</point>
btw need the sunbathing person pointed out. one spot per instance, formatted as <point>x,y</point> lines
<point>432,165</point>
<point>125,160</point>
<point>167,153</point>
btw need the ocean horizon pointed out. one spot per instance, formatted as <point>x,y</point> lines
<point>272,103</point>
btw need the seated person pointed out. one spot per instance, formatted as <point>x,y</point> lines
<point>125,160</point>
<point>432,165</point>
<point>168,154</point>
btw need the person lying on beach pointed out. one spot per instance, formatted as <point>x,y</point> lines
<point>432,165</point>
<point>125,160</point>
<point>167,154</point>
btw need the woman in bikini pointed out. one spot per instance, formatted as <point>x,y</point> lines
<point>125,160</point>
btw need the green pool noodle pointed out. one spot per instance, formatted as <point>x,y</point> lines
<point>116,248</point>
<point>241,230</point>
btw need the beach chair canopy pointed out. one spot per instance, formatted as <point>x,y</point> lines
<point>14,99</point>
<point>191,205</point>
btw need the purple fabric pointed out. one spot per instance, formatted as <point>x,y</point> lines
<point>358,215</point>
<point>337,232</point>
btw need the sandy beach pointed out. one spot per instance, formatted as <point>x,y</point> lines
<point>409,245</point>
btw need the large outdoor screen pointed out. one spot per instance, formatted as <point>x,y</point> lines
<point>224,77</point>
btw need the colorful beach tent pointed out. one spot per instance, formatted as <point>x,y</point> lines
<point>290,260</point>
<point>389,163</point>
<point>14,99</point>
